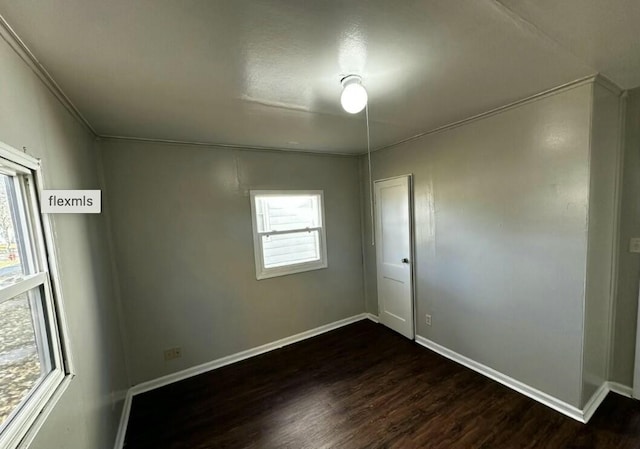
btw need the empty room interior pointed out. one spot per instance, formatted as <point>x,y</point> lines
<point>319,224</point>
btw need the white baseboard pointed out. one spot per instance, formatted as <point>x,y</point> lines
<point>622,390</point>
<point>124,421</point>
<point>592,405</point>
<point>233,358</point>
<point>544,398</point>
<point>535,394</point>
<point>372,317</point>
<point>224,361</point>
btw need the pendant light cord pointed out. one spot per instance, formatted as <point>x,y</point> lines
<point>373,234</point>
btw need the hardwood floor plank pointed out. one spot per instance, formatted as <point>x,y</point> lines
<point>362,386</point>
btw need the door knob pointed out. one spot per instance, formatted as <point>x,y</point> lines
<point>405,260</point>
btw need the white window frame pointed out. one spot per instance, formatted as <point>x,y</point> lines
<point>266,273</point>
<point>23,423</point>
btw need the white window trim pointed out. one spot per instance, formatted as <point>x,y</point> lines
<point>25,421</point>
<point>266,273</point>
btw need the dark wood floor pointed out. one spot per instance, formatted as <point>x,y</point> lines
<point>362,386</point>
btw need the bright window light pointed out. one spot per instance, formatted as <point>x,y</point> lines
<point>32,359</point>
<point>289,234</point>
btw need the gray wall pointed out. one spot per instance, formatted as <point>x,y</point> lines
<point>181,221</point>
<point>31,116</point>
<point>626,305</point>
<point>604,167</point>
<point>501,238</point>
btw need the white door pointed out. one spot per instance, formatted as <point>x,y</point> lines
<point>393,254</point>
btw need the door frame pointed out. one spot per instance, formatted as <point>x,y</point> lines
<point>635,384</point>
<point>412,248</point>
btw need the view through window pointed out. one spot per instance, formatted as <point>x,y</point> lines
<point>289,233</point>
<point>31,363</point>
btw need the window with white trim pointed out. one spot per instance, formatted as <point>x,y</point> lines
<point>32,364</point>
<point>288,231</point>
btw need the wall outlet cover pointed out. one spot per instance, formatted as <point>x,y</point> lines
<point>172,353</point>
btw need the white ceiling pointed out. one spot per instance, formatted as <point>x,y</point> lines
<point>265,73</point>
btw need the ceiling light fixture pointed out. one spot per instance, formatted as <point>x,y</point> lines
<point>354,99</point>
<point>354,95</point>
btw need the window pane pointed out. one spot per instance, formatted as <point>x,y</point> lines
<point>288,249</point>
<point>23,357</point>
<point>11,246</point>
<point>284,213</point>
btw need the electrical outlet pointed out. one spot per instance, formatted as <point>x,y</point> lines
<point>172,353</point>
<point>634,245</point>
<point>428,319</point>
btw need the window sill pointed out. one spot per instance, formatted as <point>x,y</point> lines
<point>21,434</point>
<point>292,269</point>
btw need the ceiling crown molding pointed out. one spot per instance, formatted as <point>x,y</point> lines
<point>608,84</point>
<point>225,146</point>
<point>20,48</point>
<point>10,37</point>
<point>591,79</point>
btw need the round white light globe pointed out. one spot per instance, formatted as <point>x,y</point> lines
<point>353,98</point>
